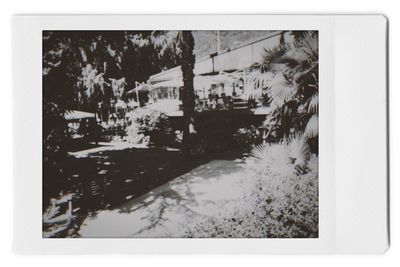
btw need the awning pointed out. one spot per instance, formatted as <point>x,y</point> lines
<point>78,115</point>
<point>178,82</point>
<point>199,81</point>
<point>140,88</point>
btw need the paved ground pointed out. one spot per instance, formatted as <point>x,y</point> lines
<point>166,210</point>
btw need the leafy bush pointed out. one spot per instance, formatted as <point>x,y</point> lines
<point>215,132</point>
<point>54,151</point>
<point>288,74</point>
<point>279,203</point>
<point>146,125</point>
<point>218,131</point>
<point>112,132</point>
<point>247,136</point>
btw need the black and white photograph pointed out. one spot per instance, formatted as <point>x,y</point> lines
<point>180,134</point>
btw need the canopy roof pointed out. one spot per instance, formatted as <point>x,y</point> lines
<point>78,115</point>
<point>200,81</point>
<point>175,82</point>
<point>142,87</point>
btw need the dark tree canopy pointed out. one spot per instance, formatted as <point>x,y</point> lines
<point>87,70</point>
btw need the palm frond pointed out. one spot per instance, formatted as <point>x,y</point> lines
<point>259,151</point>
<point>306,72</point>
<point>281,90</point>
<point>313,103</point>
<point>166,40</point>
<point>312,127</point>
<point>309,45</point>
<point>118,86</point>
<point>271,55</point>
<point>296,55</point>
<point>255,83</point>
<point>139,41</point>
<point>298,151</point>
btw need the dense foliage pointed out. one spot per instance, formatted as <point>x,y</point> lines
<point>278,203</point>
<point>216,132</point>
<point>288,76</point>
<point>247,136</point>
<point>281,187</point>
<point>148,126</point>
<point>88,70</point>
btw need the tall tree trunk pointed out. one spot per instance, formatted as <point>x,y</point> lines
<point>188,97</point>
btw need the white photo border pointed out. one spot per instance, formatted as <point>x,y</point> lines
<point>339,208</point>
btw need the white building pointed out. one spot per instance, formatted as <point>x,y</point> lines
<point>223,72</point>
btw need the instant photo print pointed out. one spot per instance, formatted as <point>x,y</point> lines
<point>200,134</point>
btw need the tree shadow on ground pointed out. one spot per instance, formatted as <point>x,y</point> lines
<point>105,180</point>
<point>184,199</point>
<point>109,178</point>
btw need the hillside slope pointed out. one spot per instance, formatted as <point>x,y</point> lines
<point>206,41</point>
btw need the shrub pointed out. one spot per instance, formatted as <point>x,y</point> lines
<point>146,125</point>
<point>247,136</point>
<point>215,132</point>
<point>54,151</point>
<point>279,203</point>
<point>112,132</point>
<point>219,132</point>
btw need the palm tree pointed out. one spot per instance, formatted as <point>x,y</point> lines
<point>74,74</point>
<point>288,74</point>
<point>182,42</point>
<point>188,98</point>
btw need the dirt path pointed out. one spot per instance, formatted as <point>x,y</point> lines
<point>166,210</point>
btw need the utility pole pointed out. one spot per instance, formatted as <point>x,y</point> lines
<point>218,43</point>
